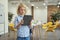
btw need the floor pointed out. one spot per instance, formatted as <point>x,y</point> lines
<point>38,34</point>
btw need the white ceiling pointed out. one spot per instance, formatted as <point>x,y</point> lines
<point>30,1</point>
<point>38,3</point>
<point>36,0</point>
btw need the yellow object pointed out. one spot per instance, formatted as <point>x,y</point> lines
<point>57,23</point>
<point>44,26</point>
<point>49,27</point>
<point>11,24</point>
<point>11,27</point>
<point>54,26</point>
<point>49,23</point>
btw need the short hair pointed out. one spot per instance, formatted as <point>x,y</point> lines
<point>21,5</point>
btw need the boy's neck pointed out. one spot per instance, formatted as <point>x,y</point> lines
<point>21,15</point>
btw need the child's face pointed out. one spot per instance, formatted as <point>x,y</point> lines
<point>22,11</point>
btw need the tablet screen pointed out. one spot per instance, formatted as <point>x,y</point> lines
<point>27,19</point>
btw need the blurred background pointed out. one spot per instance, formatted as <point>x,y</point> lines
<point>41,11</point>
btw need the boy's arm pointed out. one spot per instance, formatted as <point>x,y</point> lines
<point>19,24</point>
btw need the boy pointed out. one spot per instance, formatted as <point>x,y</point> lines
<point>23,32</point>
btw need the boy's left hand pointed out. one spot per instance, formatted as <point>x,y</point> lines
<point>22,21</point>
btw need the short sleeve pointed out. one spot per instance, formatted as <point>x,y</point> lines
<point>15,22</point>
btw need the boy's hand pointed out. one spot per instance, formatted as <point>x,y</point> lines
<point>22,22</point>
<point>19,24</point>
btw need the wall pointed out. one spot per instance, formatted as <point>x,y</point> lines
<point>41,14</point>
<point>5,3</point>
<point>51,9</point>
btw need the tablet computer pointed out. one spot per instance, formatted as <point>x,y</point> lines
<point>27,19</point>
